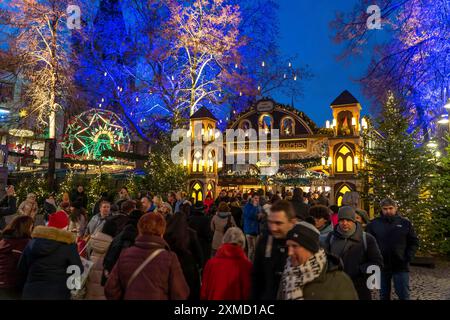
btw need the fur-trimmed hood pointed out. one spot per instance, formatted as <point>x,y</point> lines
<point>55,234</point>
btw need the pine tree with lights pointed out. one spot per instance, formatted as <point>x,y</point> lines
<point>400,167</point>
<point>97,185</point>
<point>441,200</point>
<point>162,175</point>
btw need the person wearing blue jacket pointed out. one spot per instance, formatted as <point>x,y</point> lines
<point>252,212</point>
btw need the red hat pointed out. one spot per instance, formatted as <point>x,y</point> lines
<point>59,220</point>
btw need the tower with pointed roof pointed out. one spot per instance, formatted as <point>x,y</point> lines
<point>204,159</point>
<point>344,147</point>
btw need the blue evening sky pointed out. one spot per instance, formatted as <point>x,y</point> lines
<point>305,31</point>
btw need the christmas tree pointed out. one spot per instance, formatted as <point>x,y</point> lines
<point>162,175</point>
<point>400,167</point>
<point>441,204</point>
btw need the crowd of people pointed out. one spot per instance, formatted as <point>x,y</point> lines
<point>239,246</point>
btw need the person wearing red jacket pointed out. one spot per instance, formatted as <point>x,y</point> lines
<point>227,276</point>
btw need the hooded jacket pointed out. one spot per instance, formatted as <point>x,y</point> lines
<point>161,279</point>
<point>235,270</point>
<point>397,241</point>
<point>218,223</point>
<point>45,260</point>
<point>98,245</point>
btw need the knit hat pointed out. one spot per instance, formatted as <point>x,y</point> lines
<point>347,213</point>
<point>59,220</point>
<point>306,235</point>
<point>363,215</point>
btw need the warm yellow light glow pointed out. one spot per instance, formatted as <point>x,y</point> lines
<point>364,123</point>
<point>184,162</point>
<point>334,123</point>
<point>340,164</point>
<point>327,124</point>
<point>349,164</point>
<point>220,164</point>
<point>356,160</point>
<point>323,161</point>
<point>353,121</point>
<point>329,162</point>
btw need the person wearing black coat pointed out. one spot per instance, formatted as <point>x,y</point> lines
<point>271,252</point>
<point>301,208</point>
<point>184,242</point>
<point>199,222</point>
<point>8,206</point>
<point>123,240</point>
<point>78,195</point>
<point>398,243</point>
<point>357,249</point>
<point>236,212</point>
<point>45,261</point>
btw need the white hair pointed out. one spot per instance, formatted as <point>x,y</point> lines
<point>234,235</point>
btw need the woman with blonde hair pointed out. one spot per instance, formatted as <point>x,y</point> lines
<point>29,206</point>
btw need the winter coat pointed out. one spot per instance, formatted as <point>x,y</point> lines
<point>123,240</point>
<point>98,245</point>
<point>235,270</point>
<point>218,223</point>
<point>397,241</point>
<point>161,279</point>
<point>332,284</point>
<point>8,206</point>
<point>268,266</point>
<point>236,212</point>
<point>202,225</point>
<point>45,261</point>
<point>28,208</point>
<point>301,209</point>
<point>95,225</point>
<point>251,222</point>
<point>355,257</point>
<point>118,221</point>
<point>10,251</point>
<point>80,197</point>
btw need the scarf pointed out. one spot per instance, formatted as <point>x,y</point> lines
<point>346,234</point>
<point>294,279</point>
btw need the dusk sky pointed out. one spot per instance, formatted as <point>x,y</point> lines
<point>305,31</point>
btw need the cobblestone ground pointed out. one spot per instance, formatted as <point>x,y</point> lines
<point>427,283</point>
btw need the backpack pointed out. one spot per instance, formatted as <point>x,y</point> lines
<point>330,240</point>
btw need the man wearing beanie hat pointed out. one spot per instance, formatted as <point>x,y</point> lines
<point>357,249</point>
<point>311,274</point>
<point>398,243</point>
<point>46,277</point>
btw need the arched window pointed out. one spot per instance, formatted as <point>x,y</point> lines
<point>340,194</point>
<point>210,161</point>
<point>345,127</point>
<point>245,125</point>
<point>287,126</point>
<point>344,160</point>
<point>266,123</point>
<point>197,162</point>
<point>197,192</point>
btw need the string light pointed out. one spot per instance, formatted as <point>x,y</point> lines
<point>105,74</point>
<point>263,64</point>
<point>290,64</point>
<point>103,99</point>
<point>137,99</point>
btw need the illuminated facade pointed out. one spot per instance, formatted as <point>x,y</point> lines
<point>310,157</point>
